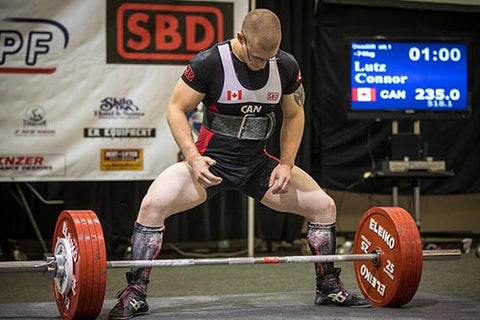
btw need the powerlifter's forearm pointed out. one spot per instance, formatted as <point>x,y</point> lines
<point>291,137</point>
<point>184,99</point>
<point>182,133</point>
<point>292,127</point>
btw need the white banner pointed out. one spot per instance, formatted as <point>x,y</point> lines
<point>85,84</point>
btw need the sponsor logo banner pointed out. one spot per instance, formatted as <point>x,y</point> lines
<point>81,76</point>
<point>119,132</point>
<point>121,159</point>
<point>165,32</point>
<point>34,123</point>
<point>32,165</point>
<point>26,44</point>
<point>118,108</point>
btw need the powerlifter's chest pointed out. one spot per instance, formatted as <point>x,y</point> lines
<point>243,91</point>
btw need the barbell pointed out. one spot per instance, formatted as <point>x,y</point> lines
<point>387,256</point>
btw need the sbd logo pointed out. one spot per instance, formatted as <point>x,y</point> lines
<point>165,33</point>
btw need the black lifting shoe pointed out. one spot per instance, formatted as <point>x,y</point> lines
<point>132,300</point>
<point>330,290</point>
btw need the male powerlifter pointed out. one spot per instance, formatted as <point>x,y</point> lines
<point>240,81</point>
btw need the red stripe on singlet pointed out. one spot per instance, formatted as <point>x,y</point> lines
<point>205,135</point>
<point>213,108</point>
<point>269,155</point>
<point>203,140</point>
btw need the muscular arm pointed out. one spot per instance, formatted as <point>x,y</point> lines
<point>183,100</point>
<point>290,138</point>
<point>292,127</point>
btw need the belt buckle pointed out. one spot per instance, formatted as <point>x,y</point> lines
<point>242,125</point>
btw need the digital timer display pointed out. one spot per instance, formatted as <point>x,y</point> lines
<point>408,76</point>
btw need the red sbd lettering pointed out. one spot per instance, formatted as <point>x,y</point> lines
<point>167,32</point>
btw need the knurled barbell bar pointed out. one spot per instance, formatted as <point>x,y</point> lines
<point>54,266</point>
<point>388,260</point>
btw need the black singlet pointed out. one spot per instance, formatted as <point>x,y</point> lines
<point>244,165</point>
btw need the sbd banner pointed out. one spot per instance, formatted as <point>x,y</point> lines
<point>85,85</point>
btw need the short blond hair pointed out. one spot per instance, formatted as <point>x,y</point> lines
<point>262,27</point>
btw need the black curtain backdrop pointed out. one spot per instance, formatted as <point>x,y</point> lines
<point>342,150</point>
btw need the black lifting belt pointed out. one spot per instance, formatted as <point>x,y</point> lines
<point>247,127</point>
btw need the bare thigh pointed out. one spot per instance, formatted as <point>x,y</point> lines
<point>304,197</point>
<point>174,190</point>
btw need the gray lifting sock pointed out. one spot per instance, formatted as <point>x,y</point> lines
<point>322,241</point>
<point>146,245</point>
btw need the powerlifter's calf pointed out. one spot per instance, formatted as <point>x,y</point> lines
<point>173,191</point>
<point>306,198</point>
<point>158,204</point>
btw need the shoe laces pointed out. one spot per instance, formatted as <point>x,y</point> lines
<point>341,287</point>
<point>333,283</point>
<point>124,295</point>
<point>338,284</point>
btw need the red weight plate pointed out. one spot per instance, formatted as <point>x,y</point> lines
<point>102,261</point>
<point>99,264</point>
<point>416,262</point>
<point>83,310</point>
<point>69,227</point>
<point>394,279</point>
<point>82,229</point>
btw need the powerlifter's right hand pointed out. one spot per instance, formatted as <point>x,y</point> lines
<point>200,166</point>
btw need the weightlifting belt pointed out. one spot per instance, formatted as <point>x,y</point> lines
<point>247,127</point>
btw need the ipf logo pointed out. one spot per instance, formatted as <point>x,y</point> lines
<point>165,32</point>
<point>26,43</point>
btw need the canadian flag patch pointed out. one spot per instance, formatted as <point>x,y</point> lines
<point>364,94</point>
<point>234,94</point>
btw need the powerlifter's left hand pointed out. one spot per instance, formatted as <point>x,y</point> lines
<point>280,179</point>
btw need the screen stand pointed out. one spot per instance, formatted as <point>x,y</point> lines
<point>409,163</point>
<point>406,147</point>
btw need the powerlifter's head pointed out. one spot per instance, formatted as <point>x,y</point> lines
<point>260,38</point>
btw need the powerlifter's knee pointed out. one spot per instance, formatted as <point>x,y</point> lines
<point>325,211</point>
<point>153,211</point>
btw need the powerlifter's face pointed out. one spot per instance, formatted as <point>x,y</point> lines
<point>255,57</point>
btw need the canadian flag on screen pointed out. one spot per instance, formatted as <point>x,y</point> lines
<point>234,94</point>
<point>364,94</point>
